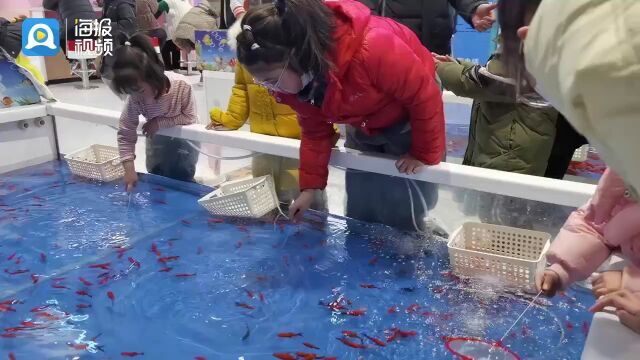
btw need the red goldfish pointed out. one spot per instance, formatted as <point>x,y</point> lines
<point>310,345</point>
<point>351,344</point>
<point>166,259</point>
<point>306,356</point>
<point>284,356</point>
<point>375,340</point>
<point>166,269</point>
<point>186,222</point>
<point>83,293</point>
<point>249,294</point>
<point>368,286</point>
<point>85,282</point>
<point>350,333</point>
<point>43,257</point>
<point>245,306</point>
<point>111,296</point>
<point>105,266</point>
<point>83,306</point>
<point>131,353</point>
<point>373,261</point>
<point>356,312</point>
<point>154,249</point>
<point>34,278</point>
<point>392,310</point>
<point>261,296</point>
<point>185,275</point>
<point>134,262</point>
<point>215,221</point>
<point>59,286</point>
<point>288,334</point>
<point>16,272</point>
<point>413,308</point>
<point>12,356</point>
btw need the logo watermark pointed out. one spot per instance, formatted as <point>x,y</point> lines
<point>40,37</point>
<point>92,38</point>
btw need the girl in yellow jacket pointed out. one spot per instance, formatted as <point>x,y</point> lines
<point>268,117</point>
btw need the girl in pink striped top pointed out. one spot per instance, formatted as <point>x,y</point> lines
<point>165,99</point>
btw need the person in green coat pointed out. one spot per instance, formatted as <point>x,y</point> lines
<point>503,134</point>
<point>506,135</point>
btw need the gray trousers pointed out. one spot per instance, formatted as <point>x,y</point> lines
<point>380,198</point>
<point>171,157</point>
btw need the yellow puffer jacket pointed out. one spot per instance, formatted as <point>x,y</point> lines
<point>253,102</point>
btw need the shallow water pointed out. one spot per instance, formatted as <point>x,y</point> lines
<point>240,284</point>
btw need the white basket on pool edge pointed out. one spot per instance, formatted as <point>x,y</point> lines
<point>98,162</point>
<point>512,255</point>
<point>252,198</point>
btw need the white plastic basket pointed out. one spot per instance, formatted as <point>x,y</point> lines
<point>252,198</point>
<point>581,154</point>
<point>512,255</point>
<point>97,162</point>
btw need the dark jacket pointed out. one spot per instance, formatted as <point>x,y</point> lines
<point>69,11</point>
<point>503,135</point>
<point>11,36</point>
<point>431,20</point>
<point>123,24</point>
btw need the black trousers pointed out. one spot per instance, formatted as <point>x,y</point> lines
<point>171,157</point>
<point>171,56</point>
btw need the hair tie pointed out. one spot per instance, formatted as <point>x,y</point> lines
<point>255,46</point>
<point>127,43</point>
<point>246,27</point>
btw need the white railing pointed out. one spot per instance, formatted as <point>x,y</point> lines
<point>498,182</point>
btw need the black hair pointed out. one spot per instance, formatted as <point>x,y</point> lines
<point>512,15</point>
<point>135,60</point>
<point>298,30</point>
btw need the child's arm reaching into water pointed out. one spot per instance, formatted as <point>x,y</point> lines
<point>127,138</point>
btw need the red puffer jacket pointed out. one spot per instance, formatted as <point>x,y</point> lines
<point>382,75</point>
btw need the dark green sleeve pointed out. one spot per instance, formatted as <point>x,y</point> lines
<point>463,79</point>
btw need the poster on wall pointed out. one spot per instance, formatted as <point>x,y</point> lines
<point>213,52</point>
<point>15,88</point>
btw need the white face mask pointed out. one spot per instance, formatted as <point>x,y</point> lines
<point>306,78</point>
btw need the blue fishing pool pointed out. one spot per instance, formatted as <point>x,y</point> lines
<point>87,275</point>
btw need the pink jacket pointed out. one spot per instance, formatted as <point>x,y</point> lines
<point>609,222</point>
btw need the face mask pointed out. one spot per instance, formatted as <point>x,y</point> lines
<point>306,78</point>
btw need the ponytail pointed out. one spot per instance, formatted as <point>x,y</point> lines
<point>135,61</point>
<point>298,30</point>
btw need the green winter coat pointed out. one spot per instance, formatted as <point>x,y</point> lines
<point>503,135</point>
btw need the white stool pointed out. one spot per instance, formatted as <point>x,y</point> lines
<point>82,56</point>
<point>188,62</point>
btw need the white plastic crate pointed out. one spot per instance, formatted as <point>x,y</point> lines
<point>252,198</point>
<point>97,162</point>
<point>581,154</point>
<point>512,255</point>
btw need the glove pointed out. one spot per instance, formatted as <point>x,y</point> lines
<point>163,6</point>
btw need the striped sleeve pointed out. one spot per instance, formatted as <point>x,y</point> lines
<point>187,114</point>
<point>127,131</point>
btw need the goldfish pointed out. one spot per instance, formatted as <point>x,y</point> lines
<point>166,259</point>
<point>392,310</point>
<point>154,249</point>
<point>310,345</point>
<point>185,275</point>
<point>368,286</point>
<point>34,278</point>
<point>40,308</point>
<point>134,262</point>
<point>245,306</point>
<point>103,280</point>
<point>43,257</point>
<point>85,282</point>
<point>249,294</point>
<point>356,312</point>
<point>79,346</point>
<point>585,328</point>
<point>59,286</point>
<point>28,324</point>
<point>105,266</point>
<point>288,334</point>
<point>16,272</point>
<point>121,252</point>
<point>11,256</point>
<point>375,340</point>
<point>166,269</point>
<point>111,296</point>
<point>569,326</point>
<point>413,308</point>
<point>83,306</point>
<point>350,333</point>
<point>306,356</point>
<point>438,290</point>
<point>330,358</point>
<point>83,293</point>
<point>284,356</point>
<point>11,355</point>
<point>160,201</point>
<point>261,296</point>
<point>186,222</point>
<point>373,261</point>
<point>351,344</point>
<point>403,333</point>
<point>215,221</point>
<point>200,358</point>
<point>8,335</point>
<point>131,353</point>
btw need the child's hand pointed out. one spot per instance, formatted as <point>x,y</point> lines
<point>442,58</point>
<point>301,205</point>
<point>548,282</point>
<point>627,306</point>
<point>606,283</point>
<point>130,175</point>
<point>213,125</point>
<point>150,128</point>
<point>409,165</point>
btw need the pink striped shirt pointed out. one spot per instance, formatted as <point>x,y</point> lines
<point>176,107</point>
